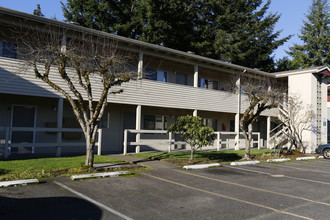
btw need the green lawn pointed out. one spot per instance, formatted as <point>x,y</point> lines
<point>181,158</point>
<point>43,168</point>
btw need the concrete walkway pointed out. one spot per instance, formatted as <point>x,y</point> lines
<point>156,164</point>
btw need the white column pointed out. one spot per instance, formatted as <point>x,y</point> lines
<point>195,112</point>
<point>138,126</point>
<point>59,125</point>
<point>63,44</point>
<point>99,142</point>
<point>268,131</point>
<point>196,75</point>
<point>237,116</point>
<point>140,65</point>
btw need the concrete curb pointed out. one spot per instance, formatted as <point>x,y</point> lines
<point>278,160</point>
<point>95,175</point>
<point>18,182</point>
<point>244,163</point>
<point>306,158</point>
<point>201,166</point>
<point>320,157</point>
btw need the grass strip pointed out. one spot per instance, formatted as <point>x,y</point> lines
<point>44,168</point>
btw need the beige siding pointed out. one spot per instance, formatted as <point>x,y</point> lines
<point>15,79</point>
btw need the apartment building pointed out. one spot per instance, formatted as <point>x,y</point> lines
<point>36,119</point>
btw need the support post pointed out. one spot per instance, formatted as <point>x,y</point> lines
<point>6,150</point>
<point>125,142</point>
<point>196,75</point>
<point>195,113</point>
<point>138,127</point>
<point>218,141</point>
<point>259,145</point>
<point>59,126</point>
<point>237,116</point>
<point>99,142</point>
<point>140,65</point>
<point>268,131</point>
<point>63,44</point>
<point>170,142</point>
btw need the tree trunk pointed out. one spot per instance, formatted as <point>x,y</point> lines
<point>90,143</point>
<point>191,154</point>
<point>248,140</point>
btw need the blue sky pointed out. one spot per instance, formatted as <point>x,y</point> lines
<point>292,15</point>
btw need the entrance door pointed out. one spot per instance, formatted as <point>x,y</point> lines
<point>23,116</point>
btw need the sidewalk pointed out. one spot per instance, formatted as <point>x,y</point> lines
<point>156,164</point>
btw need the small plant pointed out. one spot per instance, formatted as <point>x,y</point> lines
<point>194,132</point>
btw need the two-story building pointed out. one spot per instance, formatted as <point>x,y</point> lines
<point>36,119</point>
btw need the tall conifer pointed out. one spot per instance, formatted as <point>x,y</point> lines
<point>315,34</point>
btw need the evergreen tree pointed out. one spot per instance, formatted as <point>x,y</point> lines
<point>239,32</point>
<point>167,23</point>
<point>37,11</point>
<point>114,16</point>
<point>236,31</point>
<point>315,35</point>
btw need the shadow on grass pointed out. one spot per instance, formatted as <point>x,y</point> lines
<point>225,157</point>
<point>219,156</point>
<point>3,172</point>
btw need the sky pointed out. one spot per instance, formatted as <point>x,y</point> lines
<point>292,15</point>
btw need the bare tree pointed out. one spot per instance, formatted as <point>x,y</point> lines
<point>89,65</point>
<point>296,118</point>
<point>262,93</point>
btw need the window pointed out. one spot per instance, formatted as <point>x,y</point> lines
<point>232,125</point>
<point>152,74</point>
<point>181,78</point>
<point>207,84</point>
<point>213,84</point>
<point>155,122</point>
<point>162,76</point>
<point>202,83</point>
<point>8,49</point>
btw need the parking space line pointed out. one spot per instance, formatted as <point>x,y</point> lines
<point>318,165</point>
<point>298,168</point>
<point>93,201</point>
<point>227,197</point>
<point>254,171</point>
<point>285,176</point>
<point>254,188</point>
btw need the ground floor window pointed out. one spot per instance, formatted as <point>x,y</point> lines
<point>155,122</point>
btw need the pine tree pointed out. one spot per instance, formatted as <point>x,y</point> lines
<point>37,11</point>
<point>167,23</point>
<point>236,31</point>
<point>239,32</point>
<point>315,35</point>
<point>114,16</point>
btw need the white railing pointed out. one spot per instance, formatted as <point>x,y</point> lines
<point>170,141</point>
<point>139,142</point>
<point>228,141</point>
<point>7,144</point>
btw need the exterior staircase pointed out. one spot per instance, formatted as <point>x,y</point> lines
<point>278,135</point>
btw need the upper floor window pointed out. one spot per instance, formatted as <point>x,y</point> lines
<point>203,83</point>
<point>181,78</point>
<point>208,84</point>
<point>8,49</point>
<point>156,75</point>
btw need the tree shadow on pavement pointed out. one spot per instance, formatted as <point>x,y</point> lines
<point>63,208</point>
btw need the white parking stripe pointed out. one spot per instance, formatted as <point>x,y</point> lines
<point>298,168</point>
<point>93,201</point>
<point>289,177</point>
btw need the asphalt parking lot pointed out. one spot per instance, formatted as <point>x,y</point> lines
<point>290,190</point>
